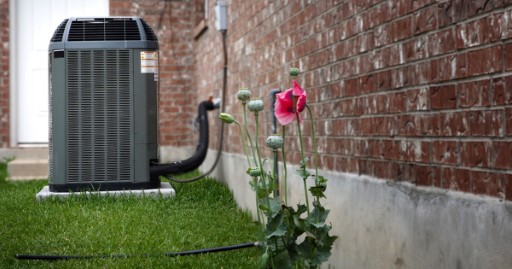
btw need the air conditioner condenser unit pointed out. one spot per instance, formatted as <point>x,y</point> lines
<point>103,76</point>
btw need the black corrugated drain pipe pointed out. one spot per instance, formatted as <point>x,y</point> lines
<point>197,159</point>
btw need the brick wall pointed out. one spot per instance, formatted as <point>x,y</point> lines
<point>416,91</point>
<point>4,73</point>
<point>172,22</point>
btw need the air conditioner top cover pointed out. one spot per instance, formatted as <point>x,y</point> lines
<point>107,32</point>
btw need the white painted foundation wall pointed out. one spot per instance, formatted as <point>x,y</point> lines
<point>382,224</point>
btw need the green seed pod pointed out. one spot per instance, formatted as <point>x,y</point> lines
<point>275,141</point>
<point>255,105</point>
<point>294,72</point>
<point>243,95</point>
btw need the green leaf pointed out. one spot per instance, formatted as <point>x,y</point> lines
<point>317,191</point>
<point>301,208</point>
<point>304,161</point>
<point>275,227</point>
<point>318,216</point>
<point>282,260</point>
<point>321,181</point>
<point>303,173</point>
<point>323,251</point>
<point>274,203</point>
<point>264,260</point>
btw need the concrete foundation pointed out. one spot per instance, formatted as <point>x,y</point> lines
<point>382,224</point>
<point>170,154</point>
<point>165,190</point>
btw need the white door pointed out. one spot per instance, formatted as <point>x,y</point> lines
<point>35,22</point>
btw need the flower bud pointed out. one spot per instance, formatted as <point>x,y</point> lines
<point>254,172</point>
<point>226,118</point>
<point>255,105</point>
<point>294,72</point>
<point>275,141</point>
<point>243,95</point>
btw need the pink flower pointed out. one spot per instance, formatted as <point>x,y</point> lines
<point>284,110</point>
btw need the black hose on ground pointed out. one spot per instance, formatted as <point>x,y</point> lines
<point>167,254</point>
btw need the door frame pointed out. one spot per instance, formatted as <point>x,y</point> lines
<point>13,75</point>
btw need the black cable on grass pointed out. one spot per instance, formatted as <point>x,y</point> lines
<point>114,256</point>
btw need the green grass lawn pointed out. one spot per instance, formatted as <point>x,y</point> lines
<point>201,215</point>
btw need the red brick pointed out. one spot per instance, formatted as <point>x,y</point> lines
<point>415,151</point>
<point>475,154</point>
<point>445,152</point>
<point>485,61</point>
<point>502,154</point>
<point>454,124</point>
<point>417,124</point>
<point>507,182</point>
<point>508,121</point>
<point>498,90</point>
<point>384,170</point>
<point>416,49</point>
<point>367,84</point>
<point>447,68</point>
<point>443,97</point>
<point>456,179</point>
<point>486,123</point>
<point>384,80</point>
<point>425,20</point>
<point>426,175</point>
<point>485,183</point>
<point>446,13</point>
<point>348,165</point>
<point>417,100</point>
<point>427,71</point>
<point>474,94</point>
<point>508,57</point>
<point>441,42</point>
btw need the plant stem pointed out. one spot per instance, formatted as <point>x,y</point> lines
<point>258,212</point>
<point>274,174</point>
<point>249,136</point>
<point>285,170</point>
<point>303,163</point>
<point>263,180</point>
<point>315,148</point>
<point>314,141</point>
<point>244,145</point>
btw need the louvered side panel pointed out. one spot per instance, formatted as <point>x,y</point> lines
<point>50,120</point>
<point>99,116</point>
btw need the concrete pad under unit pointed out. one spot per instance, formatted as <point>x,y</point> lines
<point>165,190</point>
